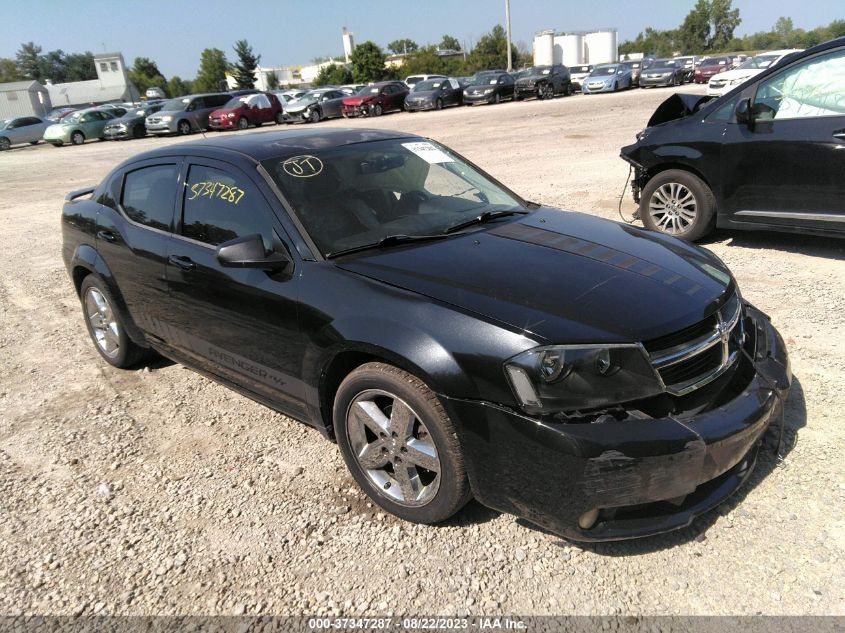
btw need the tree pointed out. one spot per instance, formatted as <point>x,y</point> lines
<point>246,64</point>
<point>52,66</point>
<point>177,87</point>
<point>491,51</point>
<point>9,70</point>
<point>367,61</point>
<point>402,46</point>
<point>427,61</point>
<point>723,21</point>
<point>212,72</point>
<point>272,80</point>
<point>333,75</point>
<point>145,74</point>
<point>449,43</point>
<point>694,33</point>
<point>28,59</point>
<point>80,66</point>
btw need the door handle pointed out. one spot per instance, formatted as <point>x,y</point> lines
<point>109,236</point>
<point>182,262</point>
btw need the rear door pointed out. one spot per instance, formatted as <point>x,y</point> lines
<point>788,167</point>
<point>238,323</point>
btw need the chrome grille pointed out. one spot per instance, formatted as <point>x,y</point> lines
<point>694,356</point>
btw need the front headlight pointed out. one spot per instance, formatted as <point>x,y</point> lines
<point>167,118</point>
<point>575,377</point>
<point>667,74</point>
<point>230,115</point>
<point>488,91</point>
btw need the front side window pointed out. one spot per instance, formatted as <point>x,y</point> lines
<point>220,206</point>
<point>148,195</point>
<point>357,194</point>
<point>813,88</point>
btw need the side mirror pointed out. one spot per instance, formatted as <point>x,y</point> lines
<point>248,252</point>
<point>743,112</point>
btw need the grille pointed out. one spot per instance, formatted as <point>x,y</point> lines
<point>692,357</point>
<point>154,120</point>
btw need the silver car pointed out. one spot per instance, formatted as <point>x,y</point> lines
<point>184,115</point>
<point>315,105</point>
<point>22,129</point>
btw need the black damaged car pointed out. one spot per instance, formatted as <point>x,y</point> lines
<point>457,341</point>
<point>769,155</point>
<point>543,82</point>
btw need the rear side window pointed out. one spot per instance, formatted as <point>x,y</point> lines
<point>148,195</point>
<point>219,206</point>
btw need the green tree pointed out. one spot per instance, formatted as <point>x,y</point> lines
<point>177,87</point>
<point>491,51</point>
<point>80,66</point>
<point>724,20</point>
<point>145,74</point>
<point>246,64</point>
<point>694,34</point>
<point>402,46</point>
<point>272,80</point>
<point>367,61</point>
<point>9,70</point>
<point>449,43</point>
<point>333,75</point>
<point>212,72</point>
<point>427,61</point>
<point>652,41</point>
<point>53,67</point>
<point>28,58</point>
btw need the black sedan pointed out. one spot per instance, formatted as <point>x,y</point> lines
<point>434,94</point>
<point>489,87</point>
<point>131,124</point>
<point>768,155</point>
<point>455,340</point>
<point>662,72</point>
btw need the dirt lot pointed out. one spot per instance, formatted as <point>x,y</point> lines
<point>157,491</point>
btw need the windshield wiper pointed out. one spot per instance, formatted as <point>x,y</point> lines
<point>387,240</point>
<point>481,219</point>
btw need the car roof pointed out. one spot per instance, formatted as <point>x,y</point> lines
<point>273,144</point>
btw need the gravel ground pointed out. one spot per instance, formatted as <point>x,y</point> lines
<point>156,491</point>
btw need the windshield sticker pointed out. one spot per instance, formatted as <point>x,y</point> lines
<point>213,189</point>
<point>303,166</point>
<point>428,152</point>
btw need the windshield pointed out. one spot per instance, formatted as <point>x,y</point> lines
<point>313,94</point>
<point>235,102</point>
<point>713,61</point>
<point>368,90</point>
<point>579,69</point>
<point>480,78</point>
<point>73,117</point>
<point>357,194</point>
<point>428,85</point>
<point>759,62</point>
<point>601,71</point>
<point>4,123</point>
<point>176,104</point>
<point>536,70</point>
<point>662,64</point>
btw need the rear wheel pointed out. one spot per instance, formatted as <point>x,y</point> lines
<point>77,138</point>
<point>6,143</point>
<point>399,444</point>
<point>105,326</point>
<point>678,203</point>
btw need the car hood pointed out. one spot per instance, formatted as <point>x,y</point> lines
<point>170,112</point>
<point>745,73</point>
<point>423,94</point>
<point>560,276</point>
<point>600,77</point>
<point>531,78</point>
<point>300,104</point>
<point>355,101</point>
<point>677,106</point>
<point>221,112</point>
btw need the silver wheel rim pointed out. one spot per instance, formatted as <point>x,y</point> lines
<point>393,448</point>
<point>77,139</point>
<point>103,323</point>
<point>184,128</point>
<point>673,208</point>
<point>243,124</point>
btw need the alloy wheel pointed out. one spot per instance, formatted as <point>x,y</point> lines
<point>673,208</point>
<point>77,138</point>
<point>103,323</point>
<point>243,123</point>
<point>184,128</point>
<point>393,448</point>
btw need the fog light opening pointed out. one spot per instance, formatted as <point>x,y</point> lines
<point>588,519</point>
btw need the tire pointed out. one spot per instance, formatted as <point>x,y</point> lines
<point>615,86</point>
<point>139,131</point>
<point>108,335</point>
<point>56,143</point>
<point>243,123</point>
<point>679,203</point>
<point>427,495</point>
<point>183,128</point>
<point>77,138</point>
<point>438,105</point>
<point>497,98</point>
<point>548,92</point>
<point>280,118</point>
<point>315,116</point>
<point>377,110</point>
<point>5,143</point>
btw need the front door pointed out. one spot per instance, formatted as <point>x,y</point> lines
<point>787,166</point>
<point>238,323</point>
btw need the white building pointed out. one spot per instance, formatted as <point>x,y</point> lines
<point>576,47</point>
<point>24,98</point>
<point>348,44</point>
<point>112,84</point>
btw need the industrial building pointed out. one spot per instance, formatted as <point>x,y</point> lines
<point>24,98</point>
<point>574,48</point>
<point>112,84</point>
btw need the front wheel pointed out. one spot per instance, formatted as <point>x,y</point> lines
<point>184,128</point>
<point>77,138</point>
<point>438,105</point>
<point>399,444</point>
<point>548,92</point>
<point>678,203</point>
<point>314,117</point>
<point>105,326</point>
<point>243,123</point>
<point>377,110</point>
<point>6,143</point>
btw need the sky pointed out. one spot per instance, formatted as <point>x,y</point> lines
<point>291,32</point>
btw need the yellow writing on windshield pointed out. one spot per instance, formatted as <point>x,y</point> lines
<point>214,189</point>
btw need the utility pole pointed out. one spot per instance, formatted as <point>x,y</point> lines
<point>508,20</point>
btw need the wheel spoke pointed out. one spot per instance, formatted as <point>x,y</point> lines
<point>401,419</point>
<point>368,413</point>
<point>403,477</point>
<point>112,339</point>
<point>423,454</point>
<point>373,456</point>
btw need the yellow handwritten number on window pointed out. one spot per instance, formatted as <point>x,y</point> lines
<point>213,189</point>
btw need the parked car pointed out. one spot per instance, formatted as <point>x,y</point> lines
<point>543,82</point>
<point>594,378</point>
<point>239,92</point>
<point>413,80</point>
<point>118,110</point>
<point>78,127</point>
<point>375,99</point>
<point>351,89</point>
<point>22,129</point>
<point>711,66</point>
<point>607,78</point>
<point>577,75</point>
<point>728,80</point>
<point>689,63</point>
<point>250,109</point>
<point>768,155</point>
<point>316,105</point>
<point>185,115</point>
<point>56,114</point>
<point>131,124</point>
<point>662,73</point>
<point>434,94</point>
<point>154,92</point>
<point>636,67</point>
<point>490,87</point>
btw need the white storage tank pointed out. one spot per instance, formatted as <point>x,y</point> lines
<point>569,49</point>
<point>544,48</point>
<point>600,47</point>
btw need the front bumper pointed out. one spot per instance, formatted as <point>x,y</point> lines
<point>587,89</point>
<point>161,128</point>
<point>472,99</point>
<point>645,476</point>
<point>646,82</point>
<point>223,123</point>
<point>527,91</point>
<point>355,111</point>
<point>419,106</point>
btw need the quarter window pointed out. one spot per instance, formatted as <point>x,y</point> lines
<point>814,88</point>
<point>219,207</point>
<point>148,195</point>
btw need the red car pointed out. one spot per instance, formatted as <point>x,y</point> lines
<point>245,110</point>
<point>711,66</point>
<point>375,99</point>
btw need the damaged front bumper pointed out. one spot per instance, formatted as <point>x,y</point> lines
<point>631,478</point>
